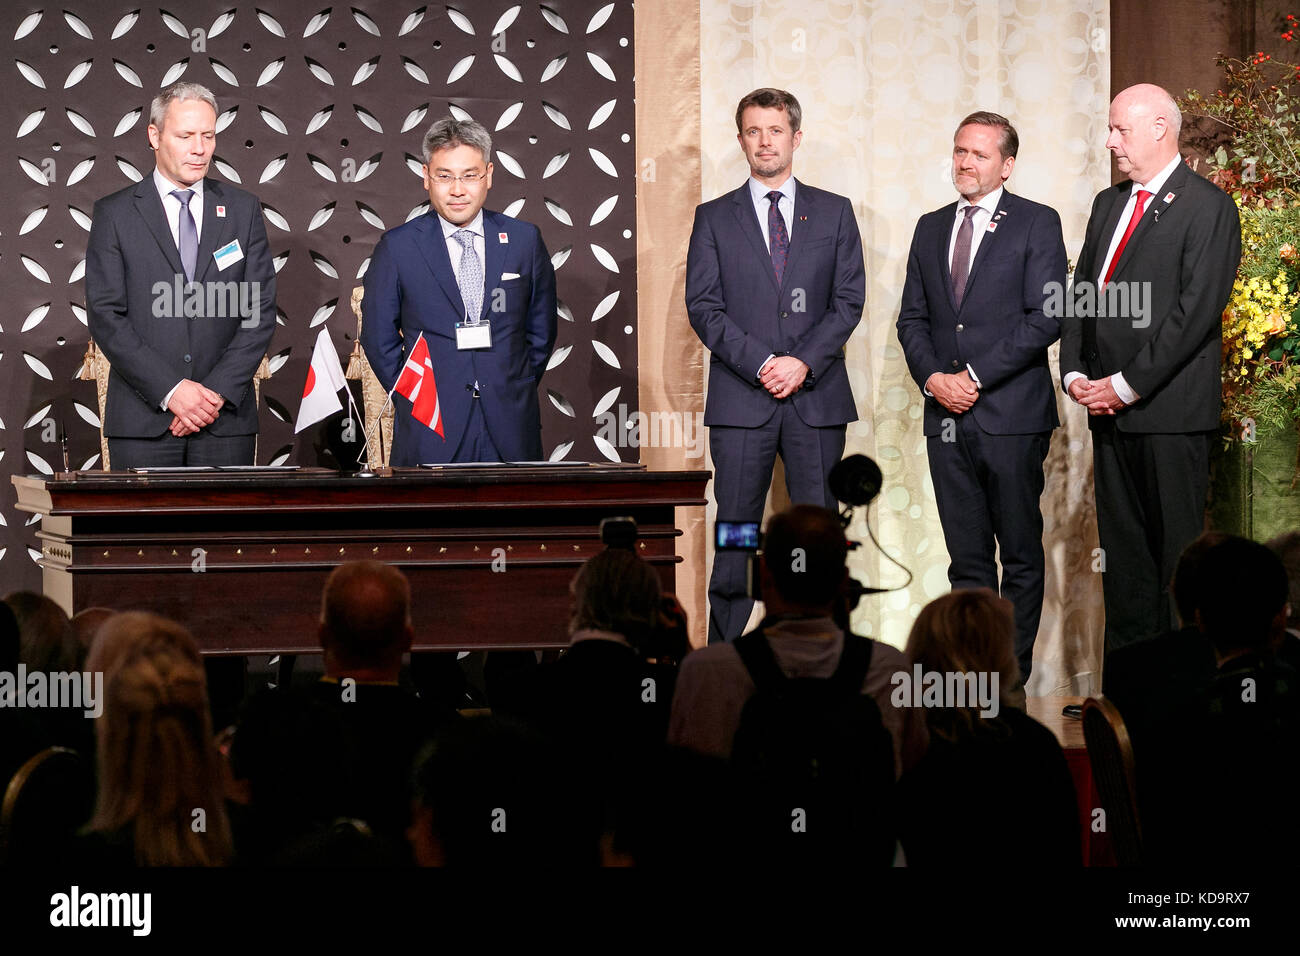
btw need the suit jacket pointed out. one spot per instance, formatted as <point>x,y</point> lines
<point>410,288</point>
<point>1185,251</point>
<point>742,316</point>
<point>1000,329</point>
<point>154,332</point>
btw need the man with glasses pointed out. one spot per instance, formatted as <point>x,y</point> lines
<point>459,314</point>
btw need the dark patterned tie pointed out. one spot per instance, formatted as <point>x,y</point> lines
<point>778,240</point>
<point>189,235</point>
<point>961,255</point>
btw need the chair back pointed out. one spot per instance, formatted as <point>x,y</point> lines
<point>1110,754</point>
<point>378,408</point>
<point>48,799</point>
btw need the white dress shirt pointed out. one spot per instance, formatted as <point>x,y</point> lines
<point>172,209</point>
<point>1122,388</point>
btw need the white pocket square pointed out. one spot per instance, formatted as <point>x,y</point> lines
<point>507,276</point>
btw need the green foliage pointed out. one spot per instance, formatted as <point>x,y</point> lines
<point>1272,401</point>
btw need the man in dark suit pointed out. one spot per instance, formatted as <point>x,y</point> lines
<point>774,288</point>
<point>1141,346</point>
<point>481,288</point>
<point>180,295</point>
<point>975,335</point>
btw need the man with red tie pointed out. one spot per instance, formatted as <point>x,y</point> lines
<point>1140,348</point>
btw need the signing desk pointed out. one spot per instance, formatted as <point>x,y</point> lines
<point>241,557</point>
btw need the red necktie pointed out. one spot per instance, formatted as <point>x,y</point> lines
<point>1143,197</point>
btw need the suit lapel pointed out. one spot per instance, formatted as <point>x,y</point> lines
<point>1147,223</point>
<point>805,206</point>
<point>744,208</point>
<point>433,246</point>
<point>1102,241</point>
<point>150,207</point>
<point>494,257</point>
<point>943,241</point>
<point>989,239</point>
<point>213,227</point>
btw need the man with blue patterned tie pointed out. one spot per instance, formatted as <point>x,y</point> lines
<point>478,286</point>
<point>180,296</point>
<point>774,288</point>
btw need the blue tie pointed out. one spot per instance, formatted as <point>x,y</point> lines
<point>189,233</point>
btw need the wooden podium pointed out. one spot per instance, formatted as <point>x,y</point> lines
<point>241,557</point>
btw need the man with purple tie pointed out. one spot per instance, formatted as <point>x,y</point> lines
<point>975,334</point>
<point>774,288</point>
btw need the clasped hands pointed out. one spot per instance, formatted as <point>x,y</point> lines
<point>783,375</point>
<point>956,392</point>
<point>1098,396</point>
<point>194,406</point>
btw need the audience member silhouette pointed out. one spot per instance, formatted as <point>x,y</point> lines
<point>800,592</point>
<point>159,799</point>
<point>994,784</point>
<point>343,746</point>
<point>1150,679</point>
<point>600,697</point>
<point>1216,786</point>
<point>491,794</point>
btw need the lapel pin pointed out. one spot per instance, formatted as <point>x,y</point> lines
<point>803,218</point>
<point>502,237</point>
<point>221,212</point>
<point>993,226</point>
<point>1169,197</point>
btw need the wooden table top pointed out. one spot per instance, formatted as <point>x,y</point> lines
<point>1047,711</point>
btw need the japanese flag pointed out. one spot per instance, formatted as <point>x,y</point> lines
<point>320,396</point>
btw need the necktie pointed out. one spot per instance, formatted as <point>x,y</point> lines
<point>961,254</point>
<point>778,240</point>
<point>470,277</point>
<point>1143,196</point>
<point>189,234</point>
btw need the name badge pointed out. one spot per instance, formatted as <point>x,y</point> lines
<point>228,255</point>
<point>477,336</point>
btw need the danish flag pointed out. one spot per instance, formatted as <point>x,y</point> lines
<point>416,383</point>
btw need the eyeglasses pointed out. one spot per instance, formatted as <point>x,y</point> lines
<point>446,179</point>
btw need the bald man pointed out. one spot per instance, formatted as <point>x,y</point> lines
<point>1140,349</point>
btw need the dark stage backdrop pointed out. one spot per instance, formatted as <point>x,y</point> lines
<point>322,108</point>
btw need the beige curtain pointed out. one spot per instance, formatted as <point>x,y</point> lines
<point>671,359</point>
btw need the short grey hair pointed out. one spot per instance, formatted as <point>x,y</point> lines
<point>1173,115</point>
<point>451,132</point>
<point>178,91</point>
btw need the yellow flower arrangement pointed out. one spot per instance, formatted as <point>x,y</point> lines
<point>1261,323</point>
